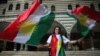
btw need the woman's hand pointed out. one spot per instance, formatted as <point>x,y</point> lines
<point>73,42</point>
<point>43,46</point>
<point>80,40</point>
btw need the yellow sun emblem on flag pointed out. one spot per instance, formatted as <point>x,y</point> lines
<point>83,19</point>
<point>27,27</point>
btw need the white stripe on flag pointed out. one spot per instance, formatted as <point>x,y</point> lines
<point>35,18</point>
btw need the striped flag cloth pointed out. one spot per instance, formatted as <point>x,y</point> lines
<point>30,26</point>
<point>86,18</point>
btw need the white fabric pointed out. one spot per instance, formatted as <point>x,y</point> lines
<point>91,23</point>
<point>34,18</point>
<point>65,39</point>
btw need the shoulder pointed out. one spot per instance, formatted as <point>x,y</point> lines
<point>50,35</point>
<point>64,37</point>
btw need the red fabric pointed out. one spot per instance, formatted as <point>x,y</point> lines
<point>53,45</point>
<point>11,31</point>
<point>92,14</point>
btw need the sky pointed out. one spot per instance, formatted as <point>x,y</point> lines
<point>3,1</point>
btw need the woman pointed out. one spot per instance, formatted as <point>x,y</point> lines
<point>56,42</point>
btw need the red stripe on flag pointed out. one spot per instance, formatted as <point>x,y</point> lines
<point>53,45</point>
<point>92,14</point>
<point>12,29</point>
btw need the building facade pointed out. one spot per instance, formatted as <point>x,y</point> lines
<point>13,8</point>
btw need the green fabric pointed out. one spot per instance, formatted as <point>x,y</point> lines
<point>62,52</point>
<point>84,30</point>
<point>41,29</point>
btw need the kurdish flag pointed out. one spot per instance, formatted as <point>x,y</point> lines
<point>30,26</point>
<point>86,18</point>
<point>56,47</point>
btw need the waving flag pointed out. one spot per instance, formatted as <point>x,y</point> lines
<point>86,18</point>
<point>30,26</point>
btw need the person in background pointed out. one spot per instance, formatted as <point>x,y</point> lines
<point>1,46</point>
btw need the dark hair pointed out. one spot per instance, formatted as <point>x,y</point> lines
<point>55,28</point>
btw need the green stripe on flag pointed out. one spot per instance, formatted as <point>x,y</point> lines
<point>41,29</point>
<point>71,15</point>
<point>84,30</point>
<point>62,51</point>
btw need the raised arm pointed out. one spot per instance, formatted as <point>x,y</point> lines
<point>43,46</point>
<point>66,40</point>
<point>72,41</point>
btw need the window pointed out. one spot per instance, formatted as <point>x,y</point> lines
<point>77,5</point>
<point>53,8</point>
<point>17,6</point>
<point>70,7</point>
<point>4,10</point>
<point>46,6</point>
<point>40,1</point>
<point>26,6</point>
<point>99,6</point>
<point>92,6</point>
<point>10,7</point>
